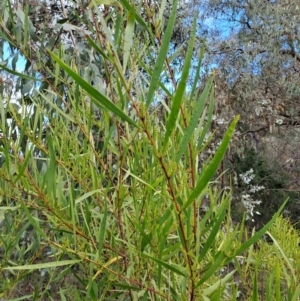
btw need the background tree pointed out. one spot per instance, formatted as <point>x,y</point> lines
<point>255,47</point>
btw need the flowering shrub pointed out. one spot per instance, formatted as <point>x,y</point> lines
<point>248,195</point>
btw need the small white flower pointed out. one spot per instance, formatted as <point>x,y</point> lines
<point>220,121</point>
<point>43,272</point>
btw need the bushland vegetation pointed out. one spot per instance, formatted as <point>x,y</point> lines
<point>129,171</point>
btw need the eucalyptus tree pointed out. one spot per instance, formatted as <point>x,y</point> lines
<point>258,54</point>
<point>254,45</point>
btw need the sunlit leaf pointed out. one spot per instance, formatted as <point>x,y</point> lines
<point>19,74</point>
<point>171,267</point>
<point>98,98</point>
<point>208,173</point>
<point>45,265</point>
<point>194,120</point>
<point>162,55</point>
<point>128,38</point>
<point>181,87</point>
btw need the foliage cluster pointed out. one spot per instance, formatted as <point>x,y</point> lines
<point>100,178</point>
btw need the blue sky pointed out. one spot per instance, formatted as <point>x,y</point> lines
<point>210,22</point>
<point>6,54</point>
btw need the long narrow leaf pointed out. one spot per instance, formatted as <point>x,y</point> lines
<point>102,228</point>
<point>87,195</point>
<point>162,55</point>
<point>33,221</point>
<point>18,74</point>
<point>128,38</point>
<point>138,18</point>
<point>208,173</point>
<point>218,261</point>
<point>46,265</point>
<point>55,106</point>
<point>5,38</point>
<point>51,170</point>
<point>128,172</point>
<point>197,75</point>
<point>209,120</point>
<point>160,84</point>
<point>96,47</point>
<point>214,231</point>
<point>194,120</point>
<point>181,87</point>
<point>98,99</point>
<point>23,129</point>
<point>277,283</point>
<point>26,27</point>
<point>219,283</point>
<point>255,288</point>
<point>296,294</point>
<point>175,295</point>
<point>171,267</point>
<point>289,263</point>
<point>24,165</point>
